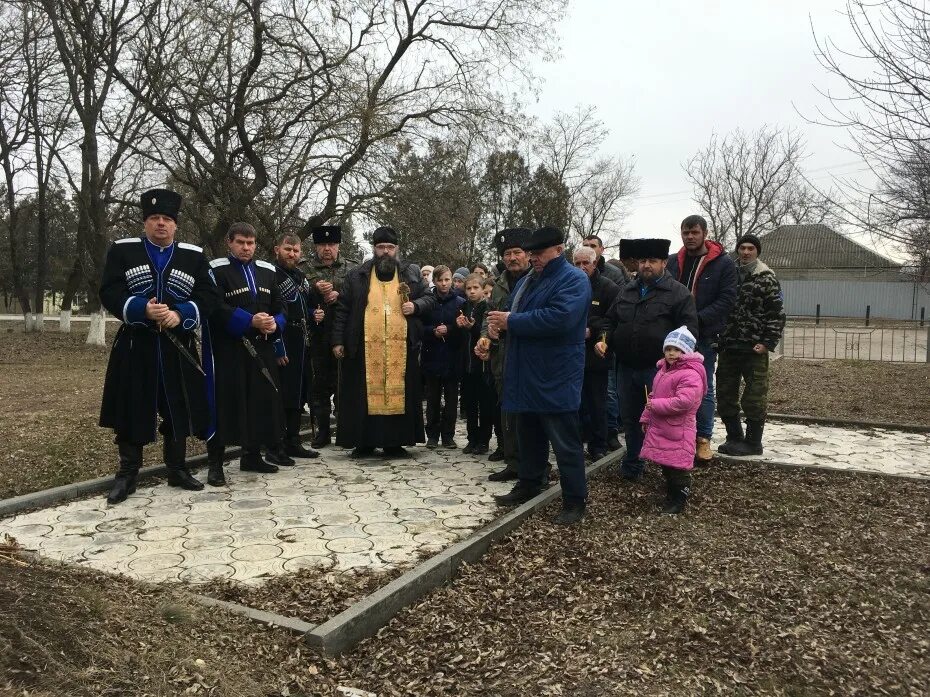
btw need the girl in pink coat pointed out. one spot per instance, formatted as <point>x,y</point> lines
<point>669,417</point>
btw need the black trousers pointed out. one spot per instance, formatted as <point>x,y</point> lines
<point>480,399</point>
<point>594,410</point>
<point>442,402</point>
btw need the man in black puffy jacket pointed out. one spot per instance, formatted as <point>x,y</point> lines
<point>644,312</point>
<point>704,268</point>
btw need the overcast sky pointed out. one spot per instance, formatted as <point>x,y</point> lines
<point>667,74</point>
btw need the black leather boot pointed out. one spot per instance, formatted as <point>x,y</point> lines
<point>613,439</point>
<point>571,513</point>
<point>752,444</point>
<point>278,456</point>
<point>130,460</point>
<point>521,493</point>
<point>734,435</point>
<point>251,461</point>
<point>175,453</point>
<point>215,457</point>
<point>293,447</point>
<point>323,437</point>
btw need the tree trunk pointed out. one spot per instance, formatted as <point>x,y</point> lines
<point>74,280</point>
<point>16,266</point>
<point>64,321</point>
<point>96,335</point>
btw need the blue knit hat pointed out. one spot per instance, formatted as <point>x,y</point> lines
<point>461,273</point>
<point>680,338</point>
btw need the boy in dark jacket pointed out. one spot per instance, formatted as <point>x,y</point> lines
<point>441,360</point>
<point>478,391</point>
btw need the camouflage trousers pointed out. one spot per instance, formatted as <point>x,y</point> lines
<point>751,368</point>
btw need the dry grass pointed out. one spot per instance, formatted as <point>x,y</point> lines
<point>857,390</point>
<point>51,389</point>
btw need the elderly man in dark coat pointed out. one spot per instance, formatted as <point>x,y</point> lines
<point>241,338</point>
<point>377,332</point>
<point>594,393</point>
<point>161,289</point>
<point>544,371</point>
<point>644,312</point>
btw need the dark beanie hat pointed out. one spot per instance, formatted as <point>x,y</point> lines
<point>750,239</point>
<point>161,202</point>
<point>384,235</point>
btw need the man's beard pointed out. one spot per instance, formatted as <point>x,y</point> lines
<point>386,266</point>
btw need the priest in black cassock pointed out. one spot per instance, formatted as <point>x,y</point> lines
<point>293,346</point>
<point>376,334</point>
<point>240,338</point>
<point>161,290</point>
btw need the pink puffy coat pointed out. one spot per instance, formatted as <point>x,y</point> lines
<point>671,426</point>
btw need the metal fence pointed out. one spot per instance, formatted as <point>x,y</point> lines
<point>893,342</point>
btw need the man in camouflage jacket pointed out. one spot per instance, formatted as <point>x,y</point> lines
<point>516,266</point>
<point>754,328</point>
<point>326,272</point>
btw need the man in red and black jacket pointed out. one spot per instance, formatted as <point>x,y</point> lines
<point>704,268</point>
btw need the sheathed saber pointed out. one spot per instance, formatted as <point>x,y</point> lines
<point>258,359</point>
<point>183,350</point>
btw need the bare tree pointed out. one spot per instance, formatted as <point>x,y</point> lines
<point>274,111</point>
<point>15,135</point>
<point>87,38</point>
<point>49,112</point>
<point>885,106</point>
<point>748,182</point>
<point>599,186</point>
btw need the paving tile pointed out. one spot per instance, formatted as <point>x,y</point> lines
<point>334,513</point>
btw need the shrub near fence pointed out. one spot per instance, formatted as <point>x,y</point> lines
<point>856,339</point>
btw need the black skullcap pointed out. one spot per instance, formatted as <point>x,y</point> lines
<point>384,235</point>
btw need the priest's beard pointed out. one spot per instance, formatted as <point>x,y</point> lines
<point>385,267</point>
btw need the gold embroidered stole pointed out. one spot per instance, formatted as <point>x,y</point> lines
<point>385,347</point>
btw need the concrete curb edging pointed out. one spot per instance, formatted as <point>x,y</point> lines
<point>292,624</point>
<point>830,421</point>
<point>367,616</point>
<point>823,469</point>
<point>66,492</point>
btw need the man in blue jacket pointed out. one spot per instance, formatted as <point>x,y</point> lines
<point>544,371</point>
<point>704,267</point>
